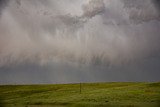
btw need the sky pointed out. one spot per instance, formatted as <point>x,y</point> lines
<point>72,41</point>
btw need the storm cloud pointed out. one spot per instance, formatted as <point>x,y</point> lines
<point>79,40</point>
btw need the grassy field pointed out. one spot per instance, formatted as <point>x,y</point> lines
<point>116,94</point>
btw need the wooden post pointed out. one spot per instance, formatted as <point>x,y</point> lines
<point>80,88</point>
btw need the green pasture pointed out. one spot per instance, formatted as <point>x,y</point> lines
<point>113,94</point>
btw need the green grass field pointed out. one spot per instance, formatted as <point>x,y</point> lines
<point>116,94</point>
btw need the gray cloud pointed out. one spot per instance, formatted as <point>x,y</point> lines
<point>94,7</point>
<point>142,10</point>
<point>3,4</point>
<point>85,34</point>
<point>157,3</point>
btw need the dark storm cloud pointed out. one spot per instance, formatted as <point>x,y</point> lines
<point>96,39</point>
<point>52,32</point>
<point>157,3</point>
<point>3,3</point>
<point>142,10</point>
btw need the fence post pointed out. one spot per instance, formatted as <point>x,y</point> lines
<point>80,87</point>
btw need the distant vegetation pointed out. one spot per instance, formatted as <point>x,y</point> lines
<point>116,94</point>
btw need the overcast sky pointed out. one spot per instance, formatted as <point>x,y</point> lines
<point>69,41</point>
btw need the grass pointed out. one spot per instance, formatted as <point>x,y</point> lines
<point>114,94</point>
